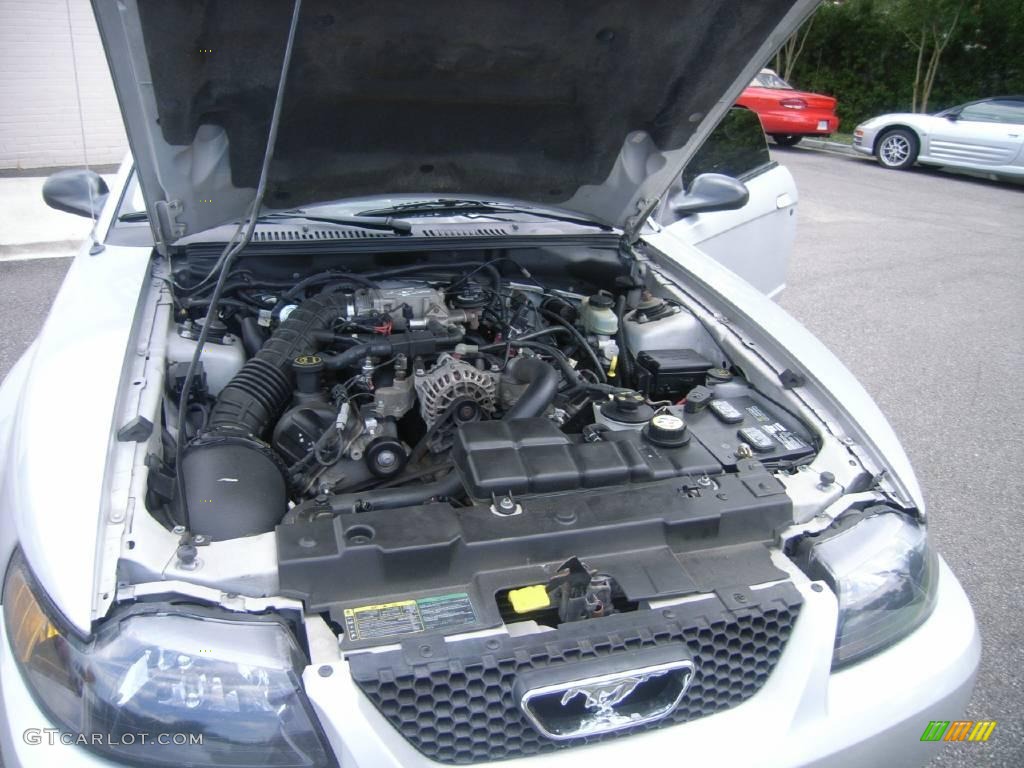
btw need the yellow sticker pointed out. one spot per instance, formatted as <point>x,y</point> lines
<point>369,622</point>
<point>529,599</point>
<point>379,607</point>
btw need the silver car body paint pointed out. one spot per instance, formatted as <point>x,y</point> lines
<point>986,147</point>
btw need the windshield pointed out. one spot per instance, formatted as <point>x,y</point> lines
<point>770,80</point>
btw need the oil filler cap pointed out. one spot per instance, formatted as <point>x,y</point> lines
<point>667,430</point>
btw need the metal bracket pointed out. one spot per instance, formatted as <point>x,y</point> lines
<point>167,212</point>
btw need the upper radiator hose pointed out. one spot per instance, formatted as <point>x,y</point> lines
<point>257,394</point>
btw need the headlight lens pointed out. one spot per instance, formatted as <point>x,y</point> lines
<point>229,686</point>
<point>884,573</point>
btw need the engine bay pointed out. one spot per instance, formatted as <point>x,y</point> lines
<point>448,429</point>
<point>347,392</point>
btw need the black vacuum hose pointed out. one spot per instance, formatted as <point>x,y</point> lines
<point>354,354</point>
<point>253,337</point>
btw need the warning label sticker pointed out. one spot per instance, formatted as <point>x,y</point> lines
<point>371,622</point>
<point>757,413</point>
<point>789,441</point>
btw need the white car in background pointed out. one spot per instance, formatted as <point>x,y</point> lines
<point>985,135</point>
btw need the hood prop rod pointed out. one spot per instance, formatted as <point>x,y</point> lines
<point>231,250</point>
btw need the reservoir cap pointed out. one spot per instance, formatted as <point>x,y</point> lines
<point>667,430</point>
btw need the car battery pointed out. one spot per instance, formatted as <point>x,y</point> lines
<point>727,422</point>
<point>668,374</point>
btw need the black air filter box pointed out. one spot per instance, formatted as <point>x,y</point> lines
<point>235,487</point>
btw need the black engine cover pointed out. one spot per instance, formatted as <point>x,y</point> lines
<point>530,456</point>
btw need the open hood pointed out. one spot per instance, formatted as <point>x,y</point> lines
<point>589,106</point>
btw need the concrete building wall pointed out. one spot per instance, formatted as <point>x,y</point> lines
<point>39,106</point>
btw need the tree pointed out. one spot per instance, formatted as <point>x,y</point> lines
<point>929,26</point>
<point>859,52</point>
<point>787,56</point>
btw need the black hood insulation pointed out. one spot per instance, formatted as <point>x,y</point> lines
<point>530,99</point>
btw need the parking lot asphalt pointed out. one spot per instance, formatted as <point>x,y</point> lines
<point>27,289</point>
<point>916,281</point>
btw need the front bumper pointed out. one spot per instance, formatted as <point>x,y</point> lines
<point>872,713</point>
<point>864,141</point>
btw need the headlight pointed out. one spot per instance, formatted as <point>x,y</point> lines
<point>884,573</point>
<point>229,686</point>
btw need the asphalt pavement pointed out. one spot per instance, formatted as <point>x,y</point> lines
<point>916,281</point>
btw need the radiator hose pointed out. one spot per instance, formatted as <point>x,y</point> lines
<point>542,381</point>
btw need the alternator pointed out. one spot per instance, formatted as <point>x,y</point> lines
<point>453,380</point>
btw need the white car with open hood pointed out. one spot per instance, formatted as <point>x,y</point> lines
<point>391,417</point>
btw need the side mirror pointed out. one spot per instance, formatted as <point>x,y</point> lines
<point>711,192</point>
<point>952,116</point>
<point>80,192</point>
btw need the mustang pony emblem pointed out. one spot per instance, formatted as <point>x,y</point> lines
<point>604,702</point>
<point>604,697</point>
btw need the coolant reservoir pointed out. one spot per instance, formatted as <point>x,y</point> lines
<point>222,358</point>
<point>656,324</point>
<point>597,315</point>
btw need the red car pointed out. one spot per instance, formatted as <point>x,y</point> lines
<point>787,115</point>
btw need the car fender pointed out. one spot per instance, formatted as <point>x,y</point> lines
<point>779,343</point>
<point>920,133</point>
<point>57,417</point>
<point>11,389</point>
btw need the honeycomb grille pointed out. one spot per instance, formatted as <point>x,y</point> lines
<point>464,710</point>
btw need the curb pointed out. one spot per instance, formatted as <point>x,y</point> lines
<point>44,171</point>
<point>831,146</point>
<point>58,249</point>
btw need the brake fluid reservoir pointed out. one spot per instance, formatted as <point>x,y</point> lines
<point>597,315</point>
<point>222,358</point>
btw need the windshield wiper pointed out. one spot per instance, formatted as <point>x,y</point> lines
<point>387,223</point>
<point>458,206</point>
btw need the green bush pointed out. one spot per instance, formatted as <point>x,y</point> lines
<point>856,53</point>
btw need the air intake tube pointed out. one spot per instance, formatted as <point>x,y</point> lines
<point>234,483</point>
<point>258,393</point>
<point>543,384</point>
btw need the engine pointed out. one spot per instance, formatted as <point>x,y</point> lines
<point>338,395</point>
